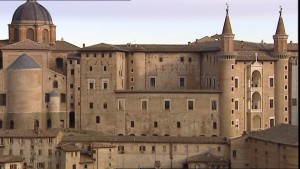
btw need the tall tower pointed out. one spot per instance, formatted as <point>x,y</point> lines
<point>281,73</point>
<point>32,21</point>
<point>226,63</point>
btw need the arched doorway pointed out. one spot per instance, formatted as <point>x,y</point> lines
<point>36,124</point>
<point>71,120</point>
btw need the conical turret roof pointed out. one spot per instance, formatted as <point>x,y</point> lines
<point>227,26</point>
<point>280,26</point>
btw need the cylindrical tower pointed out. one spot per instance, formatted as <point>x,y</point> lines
<point>24,94</point>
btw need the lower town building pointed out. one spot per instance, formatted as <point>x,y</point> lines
<point>276,147</point>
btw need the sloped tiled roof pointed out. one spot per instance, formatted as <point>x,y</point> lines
<point>282,134</point>
<point>29,133</point>
<point>3,43</point>
<point>64,46</point>
<point>100,137</point>
<point>27,44</point>
<point>103,47</point>
<point>208,158</point>
<point>24,62</point>
<point>69,147</point>
<point>10,159</point>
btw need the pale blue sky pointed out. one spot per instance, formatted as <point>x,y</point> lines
<point>161,21</point>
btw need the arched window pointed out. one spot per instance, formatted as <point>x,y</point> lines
<point>12,124</point>
<point>97,119</point>
<point>59,63</point>
<point>72,120</point>
<point>1,124</point>
<point>120,135</point>
<point>49,123</point>
<point>30,34</point>
<point>55,84</point>
<point>256,100</point>
<point>45,36</point>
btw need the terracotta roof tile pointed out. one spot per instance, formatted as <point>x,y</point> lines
<point>30,133</point>
<point>68,147</point>
<point>27,44</point>
<point>65,46</point>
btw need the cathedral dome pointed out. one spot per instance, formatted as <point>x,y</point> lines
<point>32,12</point>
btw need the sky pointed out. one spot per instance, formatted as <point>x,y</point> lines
<point>160,21</point>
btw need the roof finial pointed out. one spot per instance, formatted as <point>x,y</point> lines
<point>280,10</point>
<point>227,9</point>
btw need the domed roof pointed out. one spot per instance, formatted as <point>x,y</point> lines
<point>31,11</point>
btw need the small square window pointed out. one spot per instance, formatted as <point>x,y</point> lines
<point>181,59</point>
<point>160,59</point>
<point>190,60</point>
<point>178,124</point>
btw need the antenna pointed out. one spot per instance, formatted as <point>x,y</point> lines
<point>280,10</point>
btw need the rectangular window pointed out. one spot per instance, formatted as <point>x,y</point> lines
<point>234,153</point>
<point>144,104</point>
<point>71,86</point>
<point>214,125</point>
<point>152,81</point>
<point>132,79</point>
<point>49,152</point>
<point>232,122</point>
<point>91,83</point>
<point>175,148</point>
<point>132,70</point>
<point>213,105</point>
<point>190,104</point>
<point>232,66</point>
<point>21,152</point>
<point>178,124</point>
<point>167,104</point>
<point>271,82</point>
<point>190,60</point>
<point>91,68</point>
<point>40,152</point>
<point>105,83</point>
<point>236,83</point>
<point>91,105</point>
<point>181,59</point>
<point>153,149</point>
<point>121,148</point>
<point>47,98</point>
<point>74,166</point>
<point>142,148</point>
<point>160,59</point>
<point>104,105</point>
<point>236,104</point>
<point>72,71</point>
<point>62,97</point>
<point>132,123</point>
<point>182,82</point>
<point>272,122</point>
<point>104,68</point>
<point>271,103</point>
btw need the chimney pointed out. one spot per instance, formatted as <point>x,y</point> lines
<point>189,43</point>
<point>291,42</point>
<point>83,45</point>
